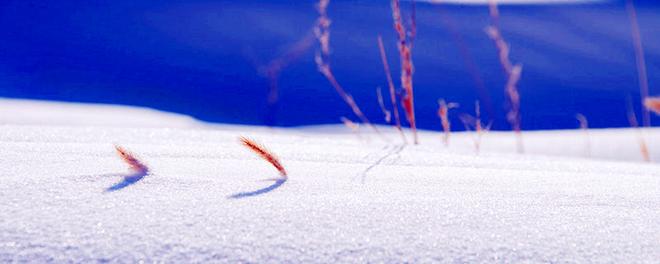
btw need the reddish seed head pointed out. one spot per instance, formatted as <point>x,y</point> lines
<point>131,160</point>
<point>264,154</point>
<point>653,104</point>
<point>443,114</point>
<point>404,45</point>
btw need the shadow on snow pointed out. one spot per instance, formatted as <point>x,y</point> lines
<point>272,187</point>
<point>128,180</point>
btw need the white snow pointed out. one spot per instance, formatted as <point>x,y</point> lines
<point>347,198</point>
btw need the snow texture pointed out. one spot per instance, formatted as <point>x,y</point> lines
<point>348,198</point>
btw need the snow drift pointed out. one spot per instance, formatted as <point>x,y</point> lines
<point>347,198</point>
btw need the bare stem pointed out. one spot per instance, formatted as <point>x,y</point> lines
<point>322,32</point>
<point>395,106</point>
<point>632,118</point>
<point>639,59</point>
<point>511,71</point>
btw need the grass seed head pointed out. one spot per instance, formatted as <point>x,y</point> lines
<point>264,154</point>
<point>131,160</point>
<point>653,104</point>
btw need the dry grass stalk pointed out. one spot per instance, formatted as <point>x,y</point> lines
<point>390,83</point>
<point>639,59</point>
<point>475,122</point>
<point>264,154</point>
<point>131,160</point>
<point>405,52</point>
<point>138,170</point>
<point>514,99</point>
<point>584,126</point>
<point>386,113</point>
<point>322,59</point>
<point>443,114</point>
<point>643,149</point>
<point>512,73</point>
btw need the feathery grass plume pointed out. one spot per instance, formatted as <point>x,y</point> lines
<point>131,160</point>
<point>511,71</point>
<point>264,154</point>
<point>443,114</point>
<point>475,122</point>
<point>322,59</point>
<point>386,113</point>
<point>390,83</point>
<point>653,104</point>
<point>584,126</point>
<point>138,170</point>
<point>514,99</point>
<point>639,59</point>
<point>274,68</point>
<point>632,118</point>
<point>405,45</point>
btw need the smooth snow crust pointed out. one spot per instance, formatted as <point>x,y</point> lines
<point>348,198</point>
<point>26,112</point>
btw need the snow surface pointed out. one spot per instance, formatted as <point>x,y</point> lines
<point>348,198</point>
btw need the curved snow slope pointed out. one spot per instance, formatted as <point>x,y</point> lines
<point>29,112</point>
<point>422,204</point>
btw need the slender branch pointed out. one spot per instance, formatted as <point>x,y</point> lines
<point>395,106</point>
<point>640,61</point>
<point>632,118</point>
<point>322,32</point>
<point>386,113</point>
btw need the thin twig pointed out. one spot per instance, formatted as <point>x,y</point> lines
<point>639,59</point>
<point>395,106</point>
<point>386,113</point>
<point>322,59</point>
<point>632,118</point>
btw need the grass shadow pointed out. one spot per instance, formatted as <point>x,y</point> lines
<point>128,180</point>
<point>272,187</point>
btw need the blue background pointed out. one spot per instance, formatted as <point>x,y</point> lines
<point>202,58</point>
